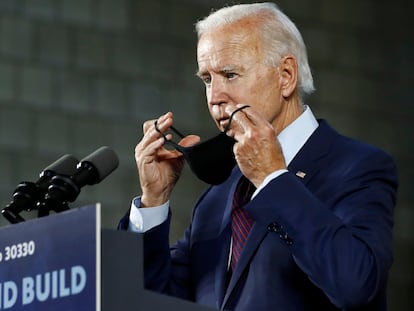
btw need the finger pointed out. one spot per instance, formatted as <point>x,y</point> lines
<point>147,149</point>
<point>239,122</point>
<point>254,116</point>
<point>189,140</point>
<point>148,125</point>
<point>150,136</point>
<point>154,129</point>
<point>153,150</point>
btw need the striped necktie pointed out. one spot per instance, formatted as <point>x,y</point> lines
<point>241,221</point>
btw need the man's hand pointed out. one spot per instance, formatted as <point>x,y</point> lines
<point>257,150</point>
<point>159,168</point>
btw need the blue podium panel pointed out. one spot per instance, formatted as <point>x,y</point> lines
<point>52,263</point>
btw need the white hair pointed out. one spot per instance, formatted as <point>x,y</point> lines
<point>279,35</point>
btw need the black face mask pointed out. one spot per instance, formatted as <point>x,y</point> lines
<point>212,160</point>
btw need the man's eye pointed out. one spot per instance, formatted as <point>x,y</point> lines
<point>206,79</point>
<point>231,75</point>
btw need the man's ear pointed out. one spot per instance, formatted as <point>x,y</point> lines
<point>288,75</point>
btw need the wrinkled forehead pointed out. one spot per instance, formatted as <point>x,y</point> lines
<point>237,40</point>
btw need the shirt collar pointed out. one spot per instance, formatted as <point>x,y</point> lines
<point>295,135</point>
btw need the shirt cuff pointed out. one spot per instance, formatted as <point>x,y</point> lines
<point>144,219</point>
<point>267,180</point>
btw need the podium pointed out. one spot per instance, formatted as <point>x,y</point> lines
<point>66,261</point>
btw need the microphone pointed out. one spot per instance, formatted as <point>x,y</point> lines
<point>27,194</point>
<point>90,170</point>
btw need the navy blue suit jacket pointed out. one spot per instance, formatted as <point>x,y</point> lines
<point>321,242</point>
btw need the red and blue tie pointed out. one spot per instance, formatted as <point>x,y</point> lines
<point>241,221</point>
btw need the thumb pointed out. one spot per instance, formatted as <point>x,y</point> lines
<point>189,140</point>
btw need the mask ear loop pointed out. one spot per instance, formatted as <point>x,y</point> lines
<point>231,117</point>
<point>166,141</point>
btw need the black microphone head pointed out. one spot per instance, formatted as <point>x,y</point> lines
<point>66,165</point>
<point>28,194</point>
<point>104,160</point>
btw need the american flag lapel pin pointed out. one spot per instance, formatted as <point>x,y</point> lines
<point>300,174</point>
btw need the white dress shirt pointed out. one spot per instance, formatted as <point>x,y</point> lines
<point>291,140</point>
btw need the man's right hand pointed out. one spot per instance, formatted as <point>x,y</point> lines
<point>159,168</point>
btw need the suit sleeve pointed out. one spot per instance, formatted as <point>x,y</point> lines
<point>166,269</point>
<point>339,227</point>
<point>159,260</point>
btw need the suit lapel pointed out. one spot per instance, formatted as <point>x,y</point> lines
<point>305,164</point>
<point>221,274</point>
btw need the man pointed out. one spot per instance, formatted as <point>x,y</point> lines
<point>321,215</point>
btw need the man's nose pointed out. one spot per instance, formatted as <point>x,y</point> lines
<point>217,93</point>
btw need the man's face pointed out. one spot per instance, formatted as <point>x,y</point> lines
<point>231,64</point>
